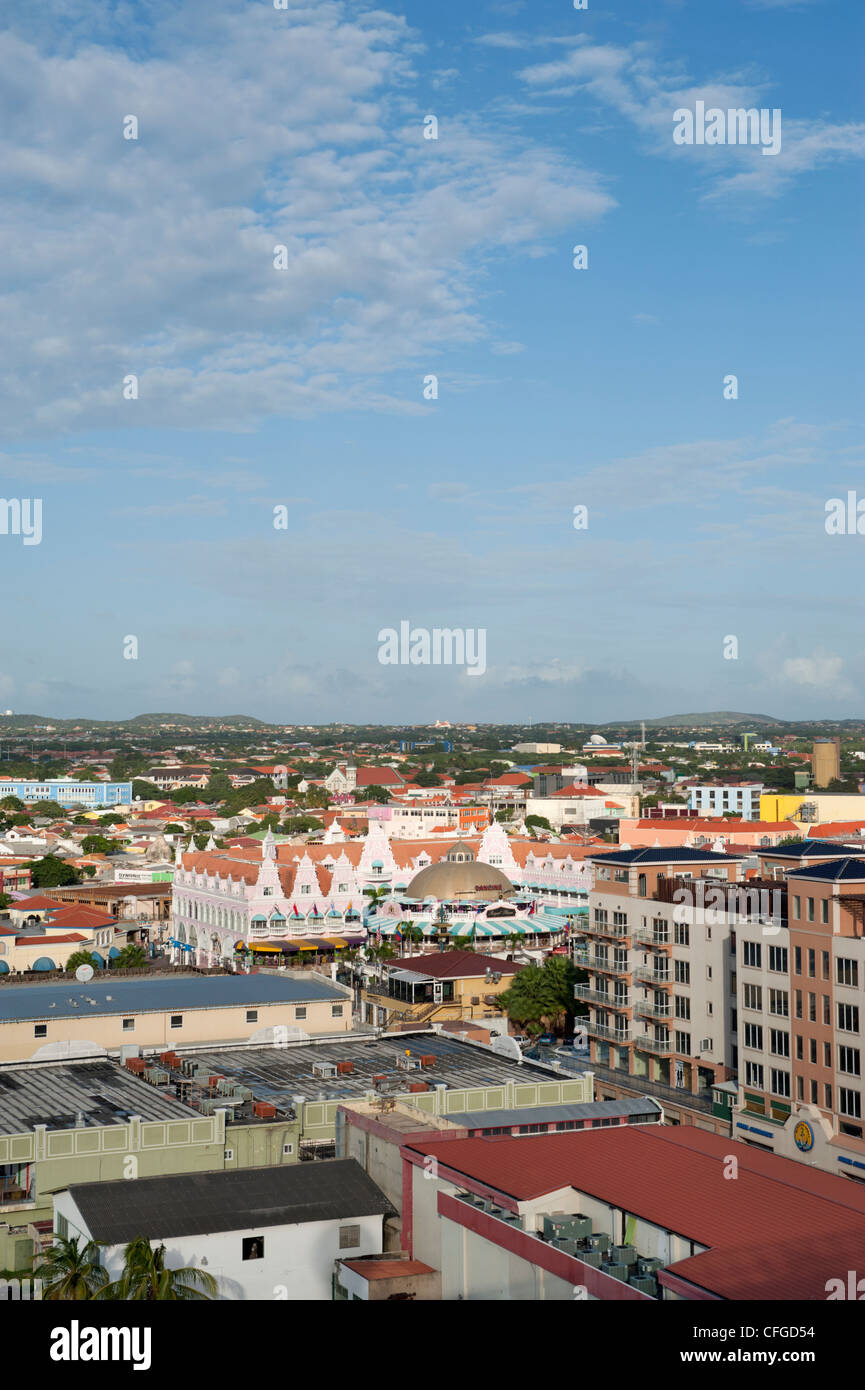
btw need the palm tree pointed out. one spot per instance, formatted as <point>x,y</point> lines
<point>145,1278</point>
<point>132,957</point>
<point>412,933</point>
<point>81,958</point>
<point>71,1272</point>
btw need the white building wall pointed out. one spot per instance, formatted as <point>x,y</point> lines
<point>297,1265</point>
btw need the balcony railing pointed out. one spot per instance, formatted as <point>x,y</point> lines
<point>647,937</point>
<point>753,898</point>
<point>649,1009</point>
<point>646,975</point>
<point>647,1044</point>
<point>601,964</point>
<point>616,929</point>
<point>614,1035</point>
<point>597,996</point>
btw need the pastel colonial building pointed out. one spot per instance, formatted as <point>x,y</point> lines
<point>284,897</point>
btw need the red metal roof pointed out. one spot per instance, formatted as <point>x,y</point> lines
<point>456,965</point>
<point>778,1230</point>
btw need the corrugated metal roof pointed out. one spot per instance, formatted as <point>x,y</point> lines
<point>55,1093</point>
<point>245,1199</point>
<point>555,1114</point>
<point>675,1179</point>
<point>71,1000</point>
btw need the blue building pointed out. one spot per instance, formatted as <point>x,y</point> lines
<point>739,798</point>
<point>83,796</point>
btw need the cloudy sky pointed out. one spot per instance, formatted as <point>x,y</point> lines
<point>405,258</point>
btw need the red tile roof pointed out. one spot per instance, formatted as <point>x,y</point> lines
<point>38,903</point>
<point>457,965</point>
<point>675,1179</point>
<point>378,777</point>
<point>49,940</point>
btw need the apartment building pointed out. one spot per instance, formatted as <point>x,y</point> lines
<point>660,936</point>
<point>802,1009</point>
<point>718,799</point>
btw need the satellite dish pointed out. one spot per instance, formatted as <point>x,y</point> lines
<point>84,973</point>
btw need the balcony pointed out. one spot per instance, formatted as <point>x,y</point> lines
<point>606,1001</point>
<point>602,965</point>
<point>649,1009</point>
<point>646,975</point>
<point>646,1044</point>
<point>647,937</point>
<point>613,1035</point>
<point>614,929</point>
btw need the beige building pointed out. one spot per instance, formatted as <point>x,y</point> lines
<point>71,1019</point>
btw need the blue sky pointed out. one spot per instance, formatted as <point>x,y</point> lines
<point>304,387</point>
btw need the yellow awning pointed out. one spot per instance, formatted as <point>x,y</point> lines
<point>335,940</point>
<point>305,946</point>
<point>264,948</point>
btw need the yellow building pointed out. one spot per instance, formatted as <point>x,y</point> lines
<point>436,987</point>
<point>827,806</point>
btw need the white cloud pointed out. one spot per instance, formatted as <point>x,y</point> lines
<point>824,672</point>
<point>155,256</point>
<point>646,93</point>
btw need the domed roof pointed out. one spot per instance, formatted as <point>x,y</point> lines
<point>469,881</point>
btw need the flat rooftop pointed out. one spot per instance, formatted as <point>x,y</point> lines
<point>68,1095</point>
<point>241,1199</point>
<point>279,1074</point>
<point>153,995</point>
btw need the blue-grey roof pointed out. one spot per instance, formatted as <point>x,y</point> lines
<point>559,1114</point>
<point>803,849</point>
<point>154,995</point>
<point>835,870</point>
<point>678,854</point>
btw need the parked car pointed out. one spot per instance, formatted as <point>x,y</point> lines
<point>520,1039</point>
<point>548,1040</point>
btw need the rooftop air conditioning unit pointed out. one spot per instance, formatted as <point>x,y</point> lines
<point>324,1069</point>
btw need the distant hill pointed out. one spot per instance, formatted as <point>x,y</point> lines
<point>711,718</point>
<point>138,722</point>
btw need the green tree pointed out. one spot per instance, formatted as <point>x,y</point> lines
<point>374,793</point>
<point>539,822</point>
<point>146,791</point>
<point>541,995</point>
<point>145,1278</point>
<point>11,803</point>
<point>172,828</point>
<point>132,957</point>
<point>426,779</point>
<point>5,900</point>
<point>81,958</point>
<point>47,808</point>
<point>51,872</point>
<point>111,819</point>
<point>300,825</point>
<point>71,1272</point>
<point>97,844</point>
